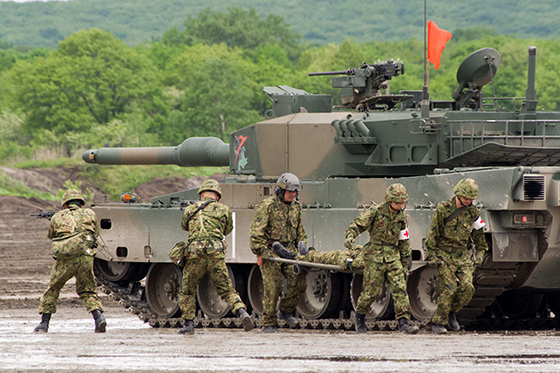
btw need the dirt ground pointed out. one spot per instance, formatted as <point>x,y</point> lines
<point>133,346</point>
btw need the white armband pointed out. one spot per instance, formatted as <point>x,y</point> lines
<point>479,223</point>
<point>403,235</point>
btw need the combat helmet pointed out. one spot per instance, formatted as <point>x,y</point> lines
<point>396,193</point>
<point>287,181</point>
<point>466,188</point>
<point>72,194</point>
<point>211,185</point>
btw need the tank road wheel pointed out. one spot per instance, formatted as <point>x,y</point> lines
<point>381,308</point>
<point>423,292</point>
<point>210,302</point>
<point>322,295</point>
<point>255,289</point>
<point>519,305</point>
<point>112,271</point>
<point>162,289</point>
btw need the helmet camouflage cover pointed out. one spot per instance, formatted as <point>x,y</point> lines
<point>288,181</point>
<point>466,188</point>
<point>396,193</point>
<point>72,194</point>
<point>211,185</point>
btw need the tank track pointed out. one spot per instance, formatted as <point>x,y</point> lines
<point>475,315</point>
<point>130,297</point>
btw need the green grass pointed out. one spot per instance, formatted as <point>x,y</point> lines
<point>11,187</point>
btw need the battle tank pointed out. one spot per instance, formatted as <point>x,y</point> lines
<point>346,157</point>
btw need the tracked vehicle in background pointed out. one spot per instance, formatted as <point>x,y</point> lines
<point>346,158</point>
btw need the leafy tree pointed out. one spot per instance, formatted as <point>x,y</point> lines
<point>237,28</point>
<point>213,107</point>
<point>92,78</point>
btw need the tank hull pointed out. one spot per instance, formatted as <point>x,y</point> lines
<point>524,244</point>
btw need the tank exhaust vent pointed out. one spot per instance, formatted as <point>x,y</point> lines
<point>533,188</point>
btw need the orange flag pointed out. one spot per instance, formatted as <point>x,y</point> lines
<point>437,38</point>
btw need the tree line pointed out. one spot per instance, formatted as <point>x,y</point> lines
<point>205,78</point>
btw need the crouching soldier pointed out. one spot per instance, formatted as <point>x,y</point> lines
<point>73,232</point>
<point>208,222</point>
<point>387,256</point>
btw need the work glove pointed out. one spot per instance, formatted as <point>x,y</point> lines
<point>349,243</point>
<point>433,260</point>
<point>302,248</point>
<point>479,258</point>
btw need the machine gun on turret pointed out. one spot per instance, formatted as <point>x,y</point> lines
<point>361,88</point>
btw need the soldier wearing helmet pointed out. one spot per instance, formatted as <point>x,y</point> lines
<point>208,222</point>
<point>278,220</point>
<point>74,231</point>
<point>387,255</point>
<point>456,224</point>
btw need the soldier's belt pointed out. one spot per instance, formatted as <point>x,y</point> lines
<point>451,249</point>
<point>377,242</point>
<point>206,245</point>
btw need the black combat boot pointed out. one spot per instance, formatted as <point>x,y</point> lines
<point>453,324</point>
<point>404,326</point>
<point>100,322</point>
<point>361,323</point>
<point>287,317</point>
<point>188,327</point>
<point>282,252</point>
<point>43,327</point>
<point>270,329</point>
<point>245,319</point>
<point>438,329</point>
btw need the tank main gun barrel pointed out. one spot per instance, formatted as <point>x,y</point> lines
<point>193,152</point>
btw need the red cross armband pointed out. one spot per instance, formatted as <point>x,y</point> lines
<point>403,235</point>
<point>479,223</point>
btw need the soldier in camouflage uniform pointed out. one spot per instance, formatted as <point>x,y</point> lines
<point>346,259</point>
<point>74,232</point>
<point>278,218</point>
<point>454,223</point>
<point>387,256</point>
<point>207,222</point>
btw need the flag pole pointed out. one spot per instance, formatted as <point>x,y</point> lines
<point>425,104</point>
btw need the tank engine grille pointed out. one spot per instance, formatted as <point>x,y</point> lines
<point>533,188</point>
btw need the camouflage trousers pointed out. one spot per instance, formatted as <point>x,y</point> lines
<point>456,289</point>
<point>374,276</point>
<point>80,267</point>
<point>197,265</point>
<point>272,274</point>
<point>334,257</point>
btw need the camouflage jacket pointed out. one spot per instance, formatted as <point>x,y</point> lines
<point>274,221</point>
<point>453,237</point>
<point>384,229</point>
<point>213,222</point>
<point>67,222</point>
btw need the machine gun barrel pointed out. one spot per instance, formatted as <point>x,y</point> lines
<point>347,72</point>
<point>193,152</point>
